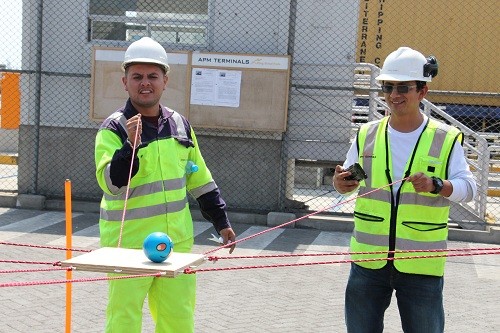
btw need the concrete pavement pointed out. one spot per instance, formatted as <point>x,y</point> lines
<point>289,299</point>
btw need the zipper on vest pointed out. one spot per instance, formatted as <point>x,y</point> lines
<point>394,213</point>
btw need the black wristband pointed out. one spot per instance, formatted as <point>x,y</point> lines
<point>438,185</point>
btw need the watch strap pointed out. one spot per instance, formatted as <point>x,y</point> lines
<point>438,185</point>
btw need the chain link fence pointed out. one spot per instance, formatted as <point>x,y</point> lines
<point>47,134</point>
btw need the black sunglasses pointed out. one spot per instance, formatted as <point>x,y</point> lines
<point>400,89</point>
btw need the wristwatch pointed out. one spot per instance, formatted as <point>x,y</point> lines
<point>438,185</point>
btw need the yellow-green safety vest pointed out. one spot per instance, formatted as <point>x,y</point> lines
<point>409,220</point>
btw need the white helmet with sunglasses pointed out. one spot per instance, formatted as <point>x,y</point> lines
<point>406,64</point>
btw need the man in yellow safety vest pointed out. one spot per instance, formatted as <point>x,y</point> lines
<point>425,162</point>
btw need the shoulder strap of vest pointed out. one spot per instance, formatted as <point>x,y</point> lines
<point>370,127</point>
<point>451,130</point>
<point>179,124</point>
<point>183,129</point>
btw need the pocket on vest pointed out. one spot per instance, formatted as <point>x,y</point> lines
<point>368,217</point>
<point>424,226</point>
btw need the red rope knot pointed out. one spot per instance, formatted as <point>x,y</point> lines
<point>213,258</point>
<point>57,263</point>
<point>188,270</point>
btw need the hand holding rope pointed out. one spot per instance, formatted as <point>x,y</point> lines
<point>134,125</point>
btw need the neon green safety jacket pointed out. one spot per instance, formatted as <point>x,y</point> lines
<point>408,220</point>
<point>157,199</point>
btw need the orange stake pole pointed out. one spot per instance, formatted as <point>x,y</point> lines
<point>69,235</point>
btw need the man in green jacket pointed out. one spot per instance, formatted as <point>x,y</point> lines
<point>163,145</point>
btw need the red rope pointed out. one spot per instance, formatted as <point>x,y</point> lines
<point>29,262</point>
<point>469,252</point>
<point>215,258</point>
<point>300,218</point>
<point>49,282</point>
<point>193,271</point>
<point>128,188</point>
<point>35,270</point>
<point>44,247</point>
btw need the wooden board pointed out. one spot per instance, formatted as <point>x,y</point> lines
<point>107,93</point>
<point>131,261</point>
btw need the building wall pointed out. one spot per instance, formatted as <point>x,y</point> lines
<point>55,103</point>
<point>461,36</point>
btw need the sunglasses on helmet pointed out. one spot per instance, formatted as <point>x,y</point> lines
<point>400,89</point>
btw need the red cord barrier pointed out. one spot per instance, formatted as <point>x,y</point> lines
<point>44,247</point>
<point>49,282</point>
<point>468,252</point>
<point>35,270</point>
<point>194,271</point>
<point>29,262</point>
<point>215,258</point>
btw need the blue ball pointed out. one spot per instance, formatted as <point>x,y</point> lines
<point>157,246</point>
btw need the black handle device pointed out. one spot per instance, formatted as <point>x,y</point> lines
<point>357,173</point>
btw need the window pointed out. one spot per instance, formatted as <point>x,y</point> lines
<point>168,22</point>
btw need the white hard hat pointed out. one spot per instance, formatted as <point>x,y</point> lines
<point>406,64</point>
<point>146,50</point>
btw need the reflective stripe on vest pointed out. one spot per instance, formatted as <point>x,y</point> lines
<point>150,188</point>
<point>143,212</point>
<point>421,218</point>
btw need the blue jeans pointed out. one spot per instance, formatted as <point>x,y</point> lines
<point>368,295</point>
